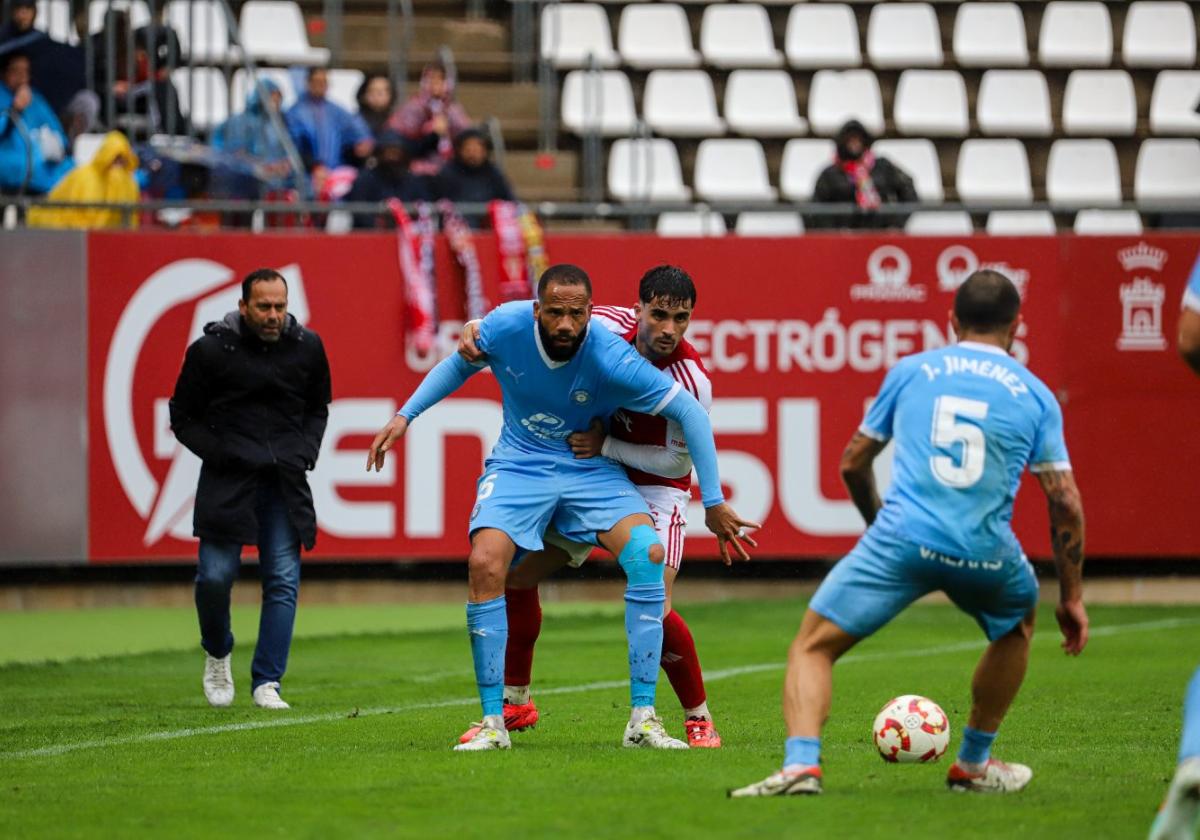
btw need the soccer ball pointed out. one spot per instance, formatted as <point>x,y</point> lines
<point>911,729</point>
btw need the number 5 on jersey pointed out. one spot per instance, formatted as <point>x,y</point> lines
<point>948,430</point>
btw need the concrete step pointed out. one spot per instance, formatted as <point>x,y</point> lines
<point>370,32</point>
<point>477,66</point>
<point>543,178</point>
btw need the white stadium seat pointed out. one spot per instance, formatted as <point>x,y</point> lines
<point>573,33</point>
<point>203,95</point>
<point>85,148</point>
<point>918,157</point>
<point>204,33</point>
<point>738,35</point>
<point>1014,103</point>
<point>931,103</point>
<point>840,95</point>
<point>273,32</point>
<point>1167,170</point>
<point>904,35</point>
<point>990,35</point>
<point>780,223</point>
<point>646,170</point>
<point>1083,172</point>
<point>1107,222</point>
<point>803,162</point>
<point>54,18</point>
<point>138,11</point>
<point>732,170</point>
<point>1020,223</point>
<point>993,171</point>
<point>691,223</point>
<point>1099,102</point>
<point>241,85</point>
<point>762,103</point>
<point>1173,103</point>
<point>656,35</point>
<point>939,223</point>
<point>822,36</point>
<point>1075,33</point>
<point>1159,34</point>
<point>681,103</point>
<point>344,83</point>
<point>600,101</point>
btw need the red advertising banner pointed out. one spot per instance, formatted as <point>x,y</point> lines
<point>797,335</point>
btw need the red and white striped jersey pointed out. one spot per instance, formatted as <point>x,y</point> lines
<point>685,367</point>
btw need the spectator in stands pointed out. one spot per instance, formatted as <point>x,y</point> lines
<point>326,135</point>
<point>109,177</point>
<point>857,176</point>
<point>387,176</point>
<point>376,103</point>
<point>143,104</point>
<point>471,177</point>
<point>432,120</point>
<point>33,145</point>
<point>59,68</point>
<point>250,138</point>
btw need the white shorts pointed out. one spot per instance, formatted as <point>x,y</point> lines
<point>668,509</point>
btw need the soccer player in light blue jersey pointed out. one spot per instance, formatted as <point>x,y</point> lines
<point>555,377</point>
<point>966,421</point>
<point>1179,818</point>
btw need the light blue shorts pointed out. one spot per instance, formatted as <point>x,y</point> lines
<point>884,574</point>
<point>580,499</point>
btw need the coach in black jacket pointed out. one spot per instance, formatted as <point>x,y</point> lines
<point>252,402</point>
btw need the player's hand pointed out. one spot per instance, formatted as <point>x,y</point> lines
<point>384,441</point>
<point>1073,621</point>
<point>468,343</point>
<point>588,444</point>
<point>22,98</point>
<point>723,521</point>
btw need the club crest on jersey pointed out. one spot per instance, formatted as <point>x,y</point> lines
<point>580,397</point>
<point>546,426</point>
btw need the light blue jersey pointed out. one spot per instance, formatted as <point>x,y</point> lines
<point>966,421</point>
<point>1191,295</point>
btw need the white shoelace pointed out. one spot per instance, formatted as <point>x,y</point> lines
<point>215,671</point>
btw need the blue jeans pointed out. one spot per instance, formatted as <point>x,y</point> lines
<point>279,565</point>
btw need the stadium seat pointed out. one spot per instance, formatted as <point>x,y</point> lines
<point>762,103</point>
<point>572,33</point>
<point>732,170</point>
<point>1173,103</point>
<point>273,33</point>
<point>738,35</point>
<point>646,170</point>
<point>54,18</point>
<point>904,35</point>
<point>918,158</point>
<point>85,148</point>
<point>204,34</point>
<point>681,103</point>
<point>599,101</point>
<point>939,223</point>
<point>241,85</point>
<point>1108,222</point>
<point>931,103</point>
<point>1099,102</point>
<point>840,95</point>
<point>339,222</point>
<point>993,171</point>
<point>656,35</point>
<point>1075,33</point>
<point>1021,223</point>
<point>203,95</point>
<point>138,10</point>
<point>769,224</point>
<point>990,35</point>
<point>1083,172</point>
<point>823,36</point>
<point>1014,103</point>
<point>1167,170</point>
<point>344,83</point>
<point>803,161</point>
<point>691,223</point>
<point>1159,34</point>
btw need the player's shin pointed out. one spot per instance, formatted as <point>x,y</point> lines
<point>645,595</point>
<point>1189,746</point>
<point>487,624</point>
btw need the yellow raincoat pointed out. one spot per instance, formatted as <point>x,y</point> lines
<point>108,177</point>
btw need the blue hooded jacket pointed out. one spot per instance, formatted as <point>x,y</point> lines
<point>250,132</point>
<point>21,152</point>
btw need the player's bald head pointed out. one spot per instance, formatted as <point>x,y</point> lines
<point>563,274</point>
<point>987,302</point>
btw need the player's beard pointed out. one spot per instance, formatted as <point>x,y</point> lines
<point>560,354</point>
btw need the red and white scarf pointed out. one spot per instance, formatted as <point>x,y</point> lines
<point>859,172</point>
<point>462,244</point>
<point>510,248</point>
<point>414,242</point>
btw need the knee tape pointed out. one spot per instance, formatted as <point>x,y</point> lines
<point>635,557</point>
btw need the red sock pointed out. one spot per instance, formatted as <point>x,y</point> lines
<point>681,662</point>
<point>524,624</point>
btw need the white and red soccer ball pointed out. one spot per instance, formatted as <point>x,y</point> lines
<point>911,729</point>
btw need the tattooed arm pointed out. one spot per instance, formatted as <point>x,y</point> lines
<point>1066,537</point>
<point>858,476</point>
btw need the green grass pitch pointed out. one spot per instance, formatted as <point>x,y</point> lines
<point>104,730</point>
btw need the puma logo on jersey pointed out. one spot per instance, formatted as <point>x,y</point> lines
<point>516,375</point>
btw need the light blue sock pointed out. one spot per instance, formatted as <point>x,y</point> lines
<point>1189,746</point>
<point>799,751</point>
<point>643,628</point>
<point>976,746</point>
<point>487,624</point>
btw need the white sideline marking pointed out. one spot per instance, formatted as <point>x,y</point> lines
<point>603,685</point>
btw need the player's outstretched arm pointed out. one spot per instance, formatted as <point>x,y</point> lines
<point>1067,540</point>
<point>1189,338</point>
<point>859,476</point>
<point>656,460</point>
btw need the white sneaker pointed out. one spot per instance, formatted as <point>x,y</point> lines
<point>650,732</point>
<point>266,696</point>
<point>784,783</point>
<point>1179,817</point>
<point>218,680</point>
<point>491,735</point>
<point>995,777</point>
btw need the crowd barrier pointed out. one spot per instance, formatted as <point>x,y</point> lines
<point>797,335</point>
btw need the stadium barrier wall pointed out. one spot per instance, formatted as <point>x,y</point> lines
<point>797,335</point>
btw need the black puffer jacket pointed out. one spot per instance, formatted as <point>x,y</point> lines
<point>251,409</point>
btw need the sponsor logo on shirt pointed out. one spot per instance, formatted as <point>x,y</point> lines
<point>546,426</point>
